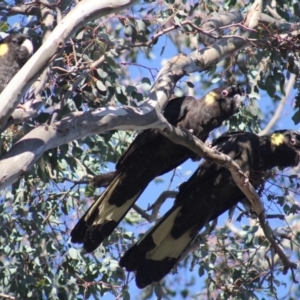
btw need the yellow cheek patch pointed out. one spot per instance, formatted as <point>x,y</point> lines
<point>3,49</point>
<point>210,98</point>
<point>277,139</point>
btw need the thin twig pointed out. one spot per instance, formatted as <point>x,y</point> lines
<point>7,296</point>
<point>155,206</point>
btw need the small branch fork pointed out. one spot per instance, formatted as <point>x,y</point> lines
<point>155,207</point>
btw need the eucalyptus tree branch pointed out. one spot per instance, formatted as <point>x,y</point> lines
<point>25,9</point>
<point>25,153</point>
<point>27,111</point>
<point>82,13</point>
<point>47,18</point>
<point>155,207</point>
<point>215,22</point>
<point>4,296</point>
<point>280,24</point>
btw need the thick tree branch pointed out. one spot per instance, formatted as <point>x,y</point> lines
<point>84,11</point>
<point>281,25</point>
<point>27,111</point>
<point>29,149</point>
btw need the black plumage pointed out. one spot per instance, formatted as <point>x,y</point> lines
<point>207,194</point>
<point>15,50</point>
<point>151,155</point>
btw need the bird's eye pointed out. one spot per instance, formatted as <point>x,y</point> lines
<point>224,93</point>
<point>293,141</point>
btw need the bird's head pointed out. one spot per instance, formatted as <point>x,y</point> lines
<point>227,98</point>
<point>18,45</point>
<point>23,42</point>
<point>288,137</point>
<point>233,92</point>
<point>286,142</point>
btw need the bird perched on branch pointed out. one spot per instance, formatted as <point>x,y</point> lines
<point>205,196</point>
<point>150,155</point>
<point>15,50</point>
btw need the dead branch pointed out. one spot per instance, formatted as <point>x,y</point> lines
<point>155,207</point>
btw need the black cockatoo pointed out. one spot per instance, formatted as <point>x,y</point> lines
<point>206,195</point>
<point>15,50</point>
